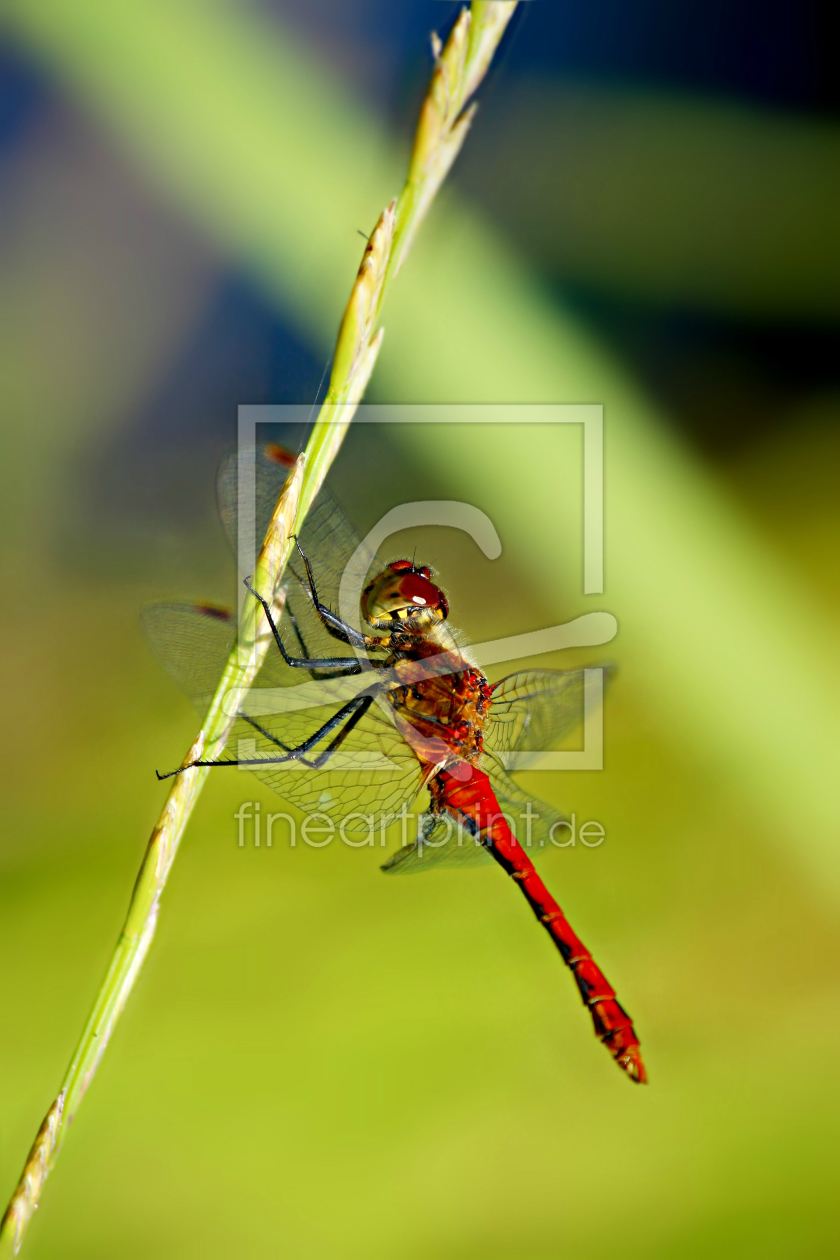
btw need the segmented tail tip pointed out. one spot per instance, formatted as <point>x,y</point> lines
<point>631,1063</point>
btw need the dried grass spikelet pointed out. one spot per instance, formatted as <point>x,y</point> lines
<point>487,28</point>
<point>440,130</point>
<point>24,1201</point>
<point>460,66</point>
<point>356,344</point>
<point>274,549</point>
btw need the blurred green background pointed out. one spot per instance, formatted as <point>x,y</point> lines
<point>320,1061</point>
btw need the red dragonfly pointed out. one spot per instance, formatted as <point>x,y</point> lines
<point>393,705</point>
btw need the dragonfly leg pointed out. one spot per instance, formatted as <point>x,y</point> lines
<point>297,629</point>
<point>320,675</point>
<point>355,710</point>
<point>338,666</point>
<point>333,624</point>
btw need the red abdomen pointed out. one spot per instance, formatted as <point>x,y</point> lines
<point>473,803</point>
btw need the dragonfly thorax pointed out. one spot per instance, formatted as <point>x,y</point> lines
<point>404,595</point>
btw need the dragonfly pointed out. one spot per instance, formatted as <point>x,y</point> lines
<point>355,714</point>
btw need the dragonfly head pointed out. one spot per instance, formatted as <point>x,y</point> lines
<point>404,596</point>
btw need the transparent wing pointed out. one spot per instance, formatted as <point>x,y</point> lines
<point>271,470</point>
<point>335,554</point>
<point>372,770</point>
<point>534,709</point>
<point>329,542</point>
<point>531,711</point>
<point>361,785</point>
<point>441,842</point>
<point>193,643</point>
<point>536,824</point>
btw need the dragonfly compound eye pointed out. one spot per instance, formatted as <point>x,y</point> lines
<point>404,593</point>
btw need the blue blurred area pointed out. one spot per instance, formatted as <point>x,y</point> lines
<point>24,90</point>
<point>722,377</point>
<point>239,338</point>
<point>161,462</point>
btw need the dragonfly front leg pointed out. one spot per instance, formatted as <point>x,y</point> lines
<point>339,666</point>
<point>332,624</point>
<point>317,673</point>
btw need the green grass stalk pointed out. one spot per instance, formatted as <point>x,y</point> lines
<point>460,66</point>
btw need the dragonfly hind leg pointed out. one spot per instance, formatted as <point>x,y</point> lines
<point>354,711</point>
